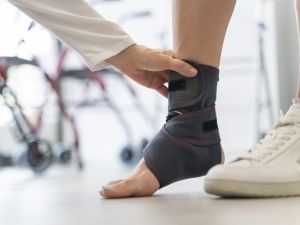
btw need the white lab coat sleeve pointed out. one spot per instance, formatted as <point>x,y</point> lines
<point>80,26</point>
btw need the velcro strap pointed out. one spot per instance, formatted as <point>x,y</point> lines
<point>177,85</point>
<point>210,125</point>
<point>198,127</point>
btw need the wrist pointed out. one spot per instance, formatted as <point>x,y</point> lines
<point>122,57</point>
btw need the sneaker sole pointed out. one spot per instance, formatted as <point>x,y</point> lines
<point>251,190</point>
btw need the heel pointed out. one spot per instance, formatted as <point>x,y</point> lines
<point>222,156</point>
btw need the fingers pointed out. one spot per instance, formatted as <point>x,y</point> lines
<point>182,67</point>
<point>159,83</point>
<point>165,76</point>
<point>163,90</point>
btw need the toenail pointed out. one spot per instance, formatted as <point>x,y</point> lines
<point>108,187</point>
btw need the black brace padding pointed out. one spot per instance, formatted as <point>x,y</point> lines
<point>177,85</point>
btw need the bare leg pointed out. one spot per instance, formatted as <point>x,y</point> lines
<point>199,30</point>
<point>298,19</point>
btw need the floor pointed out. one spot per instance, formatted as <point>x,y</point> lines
<point>66,197</point>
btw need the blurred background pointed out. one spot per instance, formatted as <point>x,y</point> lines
<point>56,115</point>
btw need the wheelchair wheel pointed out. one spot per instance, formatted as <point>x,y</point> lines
<point>62,154</point>
<point>39,155</point>
<point>127,154</point>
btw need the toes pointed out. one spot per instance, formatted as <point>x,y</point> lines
<point>108,186</point>
<point>141,183</point>
<point>114,182</point>
<point>121,189</point>
<point>127,188</point>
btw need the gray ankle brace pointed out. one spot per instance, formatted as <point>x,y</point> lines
<point>188,144</point>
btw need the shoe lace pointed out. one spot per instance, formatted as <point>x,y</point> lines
<point>277,137</point>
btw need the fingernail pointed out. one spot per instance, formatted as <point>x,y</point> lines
<point>193,71</point>
<point>108,187</point>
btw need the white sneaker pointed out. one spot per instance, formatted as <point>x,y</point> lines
<point>270,169</point>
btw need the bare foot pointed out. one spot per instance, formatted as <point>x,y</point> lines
<point>141,183</point>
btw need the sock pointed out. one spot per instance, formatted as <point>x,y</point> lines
<point>188,144</point>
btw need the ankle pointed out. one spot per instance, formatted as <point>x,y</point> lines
<point>192,94</point>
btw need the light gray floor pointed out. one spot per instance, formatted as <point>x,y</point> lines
<point>66,197</point>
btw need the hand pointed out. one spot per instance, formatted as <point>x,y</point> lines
<point>149,67</point>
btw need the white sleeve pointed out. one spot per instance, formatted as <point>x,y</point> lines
<point>80,26</point>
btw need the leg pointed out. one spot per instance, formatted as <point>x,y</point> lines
<point>192,19</point>
<point>271,167</point>
<point>199,29</point>
<point>298,20</point>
